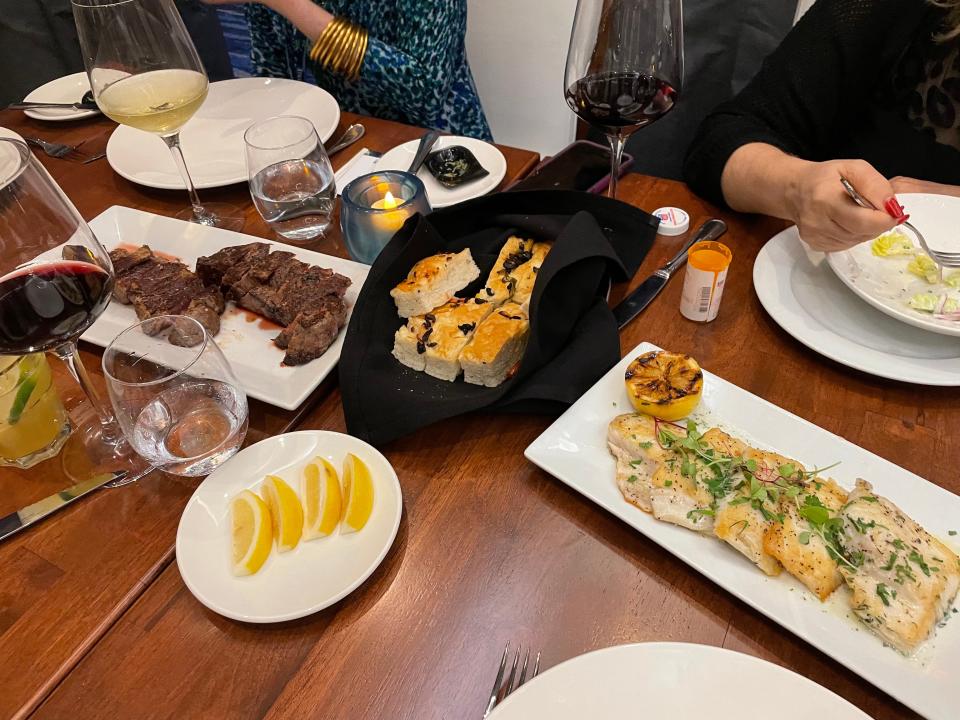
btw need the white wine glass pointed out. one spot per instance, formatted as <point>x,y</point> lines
<point>624,67</point>
<point>145,72</point>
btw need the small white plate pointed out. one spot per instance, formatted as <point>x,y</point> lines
<point>9,155</point>
<point>246,341</point>
<point>800,292</point>
<point>316,573</point>
<point>884,283</point>
<point>400,157</point>
<point>212,140</point>
<point>574,449</point>
<point>66,89</point>
<point>672,681</point>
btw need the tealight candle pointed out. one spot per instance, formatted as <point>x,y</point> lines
<point>375,207</point>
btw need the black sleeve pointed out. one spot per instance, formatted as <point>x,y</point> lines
<point>828,66</point>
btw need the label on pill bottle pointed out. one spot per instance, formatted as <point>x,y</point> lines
<point>707,264</point>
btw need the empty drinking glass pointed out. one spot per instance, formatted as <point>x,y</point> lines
<point>181,408</point>
<point>291,180</point>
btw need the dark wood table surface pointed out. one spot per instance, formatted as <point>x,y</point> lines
<point>490,549</point>
<point>66,581</point>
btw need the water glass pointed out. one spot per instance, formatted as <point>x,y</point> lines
<point>181,408</point>
<point>291,179</point>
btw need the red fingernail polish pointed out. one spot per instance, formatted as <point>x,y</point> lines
<point>895,210</point>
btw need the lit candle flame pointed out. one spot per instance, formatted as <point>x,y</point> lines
<point>389,201</point>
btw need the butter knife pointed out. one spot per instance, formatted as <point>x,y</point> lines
<point>635,302</point>
<point>25,517</point>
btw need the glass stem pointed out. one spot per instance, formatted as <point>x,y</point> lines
<point>617,141</point>
<point>70,356</point>
<point>200,214</point>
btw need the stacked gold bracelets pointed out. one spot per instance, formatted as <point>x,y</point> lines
<point>340,48</point>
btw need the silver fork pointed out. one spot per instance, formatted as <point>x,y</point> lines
<point>895,210</point>
<point>58,150</point>
<point>500,688</point>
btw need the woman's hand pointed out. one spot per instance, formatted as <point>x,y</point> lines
<point>761,178</point>
<point>828,219</point>
<point>912,185</point>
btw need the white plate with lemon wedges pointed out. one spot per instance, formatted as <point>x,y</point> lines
<point>289,526</point>
<point>802,294</point>
<point>893,274</point>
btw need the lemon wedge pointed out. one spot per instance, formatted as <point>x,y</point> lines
<point>286,512</point>
<point>664,385</point>
<point>321,499</point>
<point>357,493</point>
<point>252,531</point>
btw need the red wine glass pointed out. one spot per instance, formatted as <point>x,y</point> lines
<point>624,67</point>
<point>55,281</point>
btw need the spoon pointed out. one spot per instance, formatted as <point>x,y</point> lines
<point>349,137</point>
<point>426,145</point>
<point>86,103</point>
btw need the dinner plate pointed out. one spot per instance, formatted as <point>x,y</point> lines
<point>574,450</point>
<point>246,339</point>
<point>493,161</point>
<point>672,681</point>
<point>66,89</point>
<point>212,140</point>
<point>9,155</point>
<point>316,573</point>
<point>800,292</point>
<point>883,282</point>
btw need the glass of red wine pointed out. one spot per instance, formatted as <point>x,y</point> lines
<point>624,67</point>
<point>55,281</point>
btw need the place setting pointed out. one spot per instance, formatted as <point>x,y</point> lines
<point>270,347</point>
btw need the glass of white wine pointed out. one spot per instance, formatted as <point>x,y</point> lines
<point>145,72</point>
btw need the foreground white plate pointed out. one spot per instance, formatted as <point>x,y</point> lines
<point>400,157</point>
<point>806,299</point>
<point>248,346</point>
<point>66,89</point>
<point>574,450</point>
<point>672,681</point>
<point>212,140</point>
<point>313,575</point>
<point>880,282</point>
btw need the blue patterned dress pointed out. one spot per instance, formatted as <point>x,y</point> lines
<point>415,70</point>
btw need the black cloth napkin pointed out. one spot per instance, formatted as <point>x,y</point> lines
<point>573,335</point>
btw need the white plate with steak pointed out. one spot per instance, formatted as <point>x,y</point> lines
<point>283,290</point>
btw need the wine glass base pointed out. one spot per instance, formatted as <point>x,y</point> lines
<point>91,451</point>
<point>217,214</point>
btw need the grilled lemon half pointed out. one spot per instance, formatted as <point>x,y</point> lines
<point>664,385</point>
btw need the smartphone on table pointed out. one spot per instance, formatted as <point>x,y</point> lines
<point>582,165</point>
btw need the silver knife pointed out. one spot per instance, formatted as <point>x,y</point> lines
<point>25,517</point>
<point>635,302</point>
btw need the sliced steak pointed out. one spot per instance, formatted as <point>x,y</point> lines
<point>310,334</point>
<point>124,260</point>
<point>305,291</point>
<point>211,269</point>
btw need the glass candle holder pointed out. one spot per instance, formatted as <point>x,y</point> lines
<point>375,206</point>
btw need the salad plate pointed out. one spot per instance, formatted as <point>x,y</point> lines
<point>574,450</point>
<point>888,284</point>
<point>799,291</point>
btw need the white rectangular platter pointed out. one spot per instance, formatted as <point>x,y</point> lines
<point>256,361</point>
<point>574,450</point>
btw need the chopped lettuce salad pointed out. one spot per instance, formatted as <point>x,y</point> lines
<point>944,304</point>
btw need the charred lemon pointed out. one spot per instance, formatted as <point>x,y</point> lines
<point>664,385</point>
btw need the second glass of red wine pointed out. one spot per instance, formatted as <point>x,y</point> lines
<point>55,281</point>
<point>624,67</point>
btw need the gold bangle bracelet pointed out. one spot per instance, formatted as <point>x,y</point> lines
<point>342,51</point>
<point>340,48</point>
<point>354,73</point>
<point>350,57</point>
<point>328,41</point>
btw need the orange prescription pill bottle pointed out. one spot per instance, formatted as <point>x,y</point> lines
<point>707,264</point>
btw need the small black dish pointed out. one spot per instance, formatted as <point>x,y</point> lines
<point>454,166</point>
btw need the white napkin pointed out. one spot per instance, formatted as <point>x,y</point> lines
<point>364,162</point>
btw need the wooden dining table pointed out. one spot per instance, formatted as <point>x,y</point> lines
<point>96,622</point>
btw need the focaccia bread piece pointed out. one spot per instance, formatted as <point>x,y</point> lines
<point>433,342</point>
<point>497,346</point>
<point>526,275</point>
<point>501,283</point>
<point>433,281</point>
